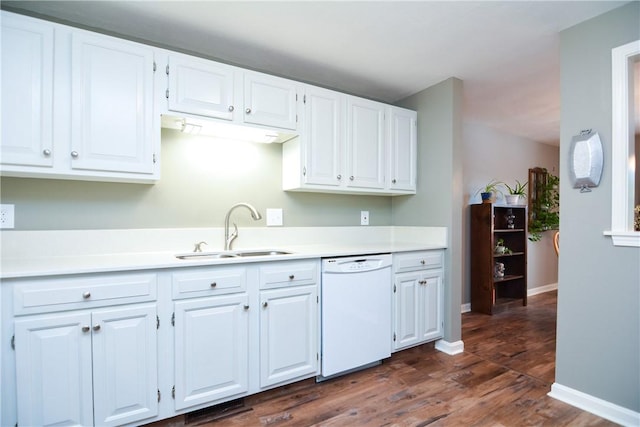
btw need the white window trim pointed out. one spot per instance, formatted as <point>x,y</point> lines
<point>622,171</point>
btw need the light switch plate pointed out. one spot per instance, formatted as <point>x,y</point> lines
<point>7,216</point>
<point>364,217</point>
<point>274,217</point>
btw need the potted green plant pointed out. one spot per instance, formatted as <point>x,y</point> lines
<point>501,249</point>
<point>516,193</point>
<point>545,212</point>
<point>489,191</point>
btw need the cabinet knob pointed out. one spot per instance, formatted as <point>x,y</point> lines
<point>291,277</point>
<point>46,152</point>
<point>246,307</point>
<point>339,177</point>
<point>75,154</point>
<point>86,295</point>
<point>96,327</point>
<point>393,181</point>
<point>264,304</point>
<point>231,108</point>
<point>214,284</point>
<point>351,178</point>
<point>248,111</point>
<point>423,262</point>
<point>86,328</point>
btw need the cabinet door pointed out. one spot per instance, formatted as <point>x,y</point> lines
<point>112,105</point>
<point>323,136</point>
<point>27,91</point>
<point>288,334</point>
<point>53,370</point>
<point>402,149</point>
<point>270,101</point>
<point>202,87</point>
<point>211,349</point>
<point>365,143</point>
<point>407,309</point>
<point>431,305</point>
<point>125,366</point>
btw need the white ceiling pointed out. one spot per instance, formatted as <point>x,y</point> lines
<point>506,52</point>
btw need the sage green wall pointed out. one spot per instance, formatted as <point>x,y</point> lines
<point>440,198</point>
<point>201,179</point>
<point>598,339</point>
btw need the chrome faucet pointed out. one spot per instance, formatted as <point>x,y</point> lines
<point>228,239</point>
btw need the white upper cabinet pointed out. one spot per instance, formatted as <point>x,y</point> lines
<point>98,123</point>
<point>402,149</point>
<point>199,86</point>
<point>270,101</point>
<point>324,136</point>
<point>27,91</point>
<point>112,104</point>
<point>351,145</point>
<point>365,143</point>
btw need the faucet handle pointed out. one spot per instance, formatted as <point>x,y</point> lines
<point>198,247</point>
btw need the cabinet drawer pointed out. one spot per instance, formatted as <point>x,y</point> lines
<point>209,281</point>
<point>422,260</point>
<point>294,273</point>
<point>41,296</point>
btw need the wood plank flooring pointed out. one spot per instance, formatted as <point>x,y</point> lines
<point>501,379</point>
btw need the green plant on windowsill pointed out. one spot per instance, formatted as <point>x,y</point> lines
<point>546,211</point>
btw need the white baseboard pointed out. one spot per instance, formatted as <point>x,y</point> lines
<point>597,406</point>
<point>465,308</point>
<point>542,289</point>
<point>451,348</point>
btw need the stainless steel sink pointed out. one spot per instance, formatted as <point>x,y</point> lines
<point>260,253</point>
<point>231,254</point>
<point>206,255</point>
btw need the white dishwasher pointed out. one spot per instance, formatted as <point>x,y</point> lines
<point>356,312</point>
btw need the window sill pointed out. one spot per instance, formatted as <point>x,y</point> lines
<point>624,238</point>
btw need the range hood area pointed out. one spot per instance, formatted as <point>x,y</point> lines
<point>227,131</point>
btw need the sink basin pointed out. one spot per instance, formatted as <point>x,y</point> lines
<point>206,255</point>
<point>260,253</point>
<point>231,254</point>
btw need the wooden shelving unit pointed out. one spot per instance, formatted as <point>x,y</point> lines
<point>489,293</point>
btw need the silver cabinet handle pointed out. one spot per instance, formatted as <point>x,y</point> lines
<point>75,154</point>
<point>248,111</point>
<point>86,328</point>
<point>264,304</point>
<point>86,295</point>
<point>231,108</point>
<point>246,307</point>
<point>291,277</point>
<point>96,327</point>
<point>46,152</point>
<point>393,181</point>
<point>351,178</point>
<point>214,284</point>
<point>339,177</point>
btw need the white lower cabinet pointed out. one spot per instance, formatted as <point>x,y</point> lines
<point>288,334</point>
<point>418,303</point>
<point>87,367</point>
<point>211,349</point>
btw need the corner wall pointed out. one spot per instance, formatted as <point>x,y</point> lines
<point>440,198</point>
<point>598,338</point>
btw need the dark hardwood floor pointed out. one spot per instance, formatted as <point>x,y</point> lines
<point>501,379</point>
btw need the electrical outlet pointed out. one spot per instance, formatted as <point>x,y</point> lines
<point>364,217</point>
<point>7,216</point>
<point>274,217</point>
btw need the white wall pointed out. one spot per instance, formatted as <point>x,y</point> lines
<point>491,154</point>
